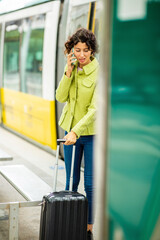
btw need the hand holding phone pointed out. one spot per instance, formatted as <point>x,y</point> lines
<point>71,59</point>
<point>74,59</point>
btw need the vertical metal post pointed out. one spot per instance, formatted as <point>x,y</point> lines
<point>101,145</point>
<point>72,168</point>
<point>56,170</point>
<point>13,221</point>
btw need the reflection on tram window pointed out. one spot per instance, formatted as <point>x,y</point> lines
<point>78,18</point>
<point>32,54</point>
<point>11,77</point>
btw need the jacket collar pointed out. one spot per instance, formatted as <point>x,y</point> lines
<point>89,68</point>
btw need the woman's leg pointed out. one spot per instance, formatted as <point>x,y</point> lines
<point>77,164</point>
<point>67,160</point>
<point>88,176</point>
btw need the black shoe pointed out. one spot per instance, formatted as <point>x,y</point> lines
<point>89,235</point>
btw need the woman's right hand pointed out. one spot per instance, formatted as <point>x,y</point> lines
<point>70,60</point>
<point>71,138</point>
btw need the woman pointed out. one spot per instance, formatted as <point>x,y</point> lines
<point>77,89</point>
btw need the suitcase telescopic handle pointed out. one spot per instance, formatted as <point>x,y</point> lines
<point>62,140</point>
<point>56,165</point>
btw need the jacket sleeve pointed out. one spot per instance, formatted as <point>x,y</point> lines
<point>62,92</point>
<point>90,116</point>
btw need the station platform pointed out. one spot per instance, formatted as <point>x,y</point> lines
<point>17,151</point>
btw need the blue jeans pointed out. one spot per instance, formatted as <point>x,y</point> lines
<point>83,144</point>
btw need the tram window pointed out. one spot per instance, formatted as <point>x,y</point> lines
<point>32,54</point>
<point>78,18</point>
<point>11,77</point>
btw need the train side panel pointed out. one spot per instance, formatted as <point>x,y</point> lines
<point>30,115</point>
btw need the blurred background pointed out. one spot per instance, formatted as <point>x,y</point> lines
<point>127,149</point>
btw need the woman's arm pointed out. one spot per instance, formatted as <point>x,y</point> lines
<point>78,129</point>
<point>88,118</point>
<point>64,85</point>
<point>62,92</point>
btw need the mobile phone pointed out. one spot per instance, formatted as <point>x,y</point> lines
<point>73,56</point>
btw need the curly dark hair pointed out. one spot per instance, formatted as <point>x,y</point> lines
<point>82,35</point>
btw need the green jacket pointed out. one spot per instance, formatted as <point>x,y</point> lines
<point>78,92</point>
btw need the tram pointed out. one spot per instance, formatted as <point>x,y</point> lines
<point>32,36</point>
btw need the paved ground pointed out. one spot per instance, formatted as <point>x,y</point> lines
<point>38,161</point>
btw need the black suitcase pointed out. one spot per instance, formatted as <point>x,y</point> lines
<point>64,214</point>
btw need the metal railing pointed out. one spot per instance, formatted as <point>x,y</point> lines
<point>13,216</point>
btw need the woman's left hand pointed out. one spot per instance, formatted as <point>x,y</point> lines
<point>71,138</point>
